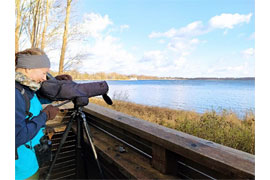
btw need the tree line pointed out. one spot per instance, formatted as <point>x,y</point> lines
<point>76,75</point>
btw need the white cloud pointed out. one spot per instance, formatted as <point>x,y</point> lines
<point>94,24</point>
<point>192,29</point>
<point>197,28</point>
<point>242,70</point>
<point>182,41</point>
<point>161,41</point>
<point>182,46</point>
<point>155,58</point>
<point>123,27</point>
<point>194,41</point>
<point>248,53</point>
<point>229,20</point>
<point>162,63</point>
<point>180,62</point>
<point>108,54</point>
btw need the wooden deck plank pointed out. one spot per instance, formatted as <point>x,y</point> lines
<point>132,164</point>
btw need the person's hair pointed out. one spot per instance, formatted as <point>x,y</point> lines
<point>31,51</point>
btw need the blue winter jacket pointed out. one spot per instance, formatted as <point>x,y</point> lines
<point>27,133</point>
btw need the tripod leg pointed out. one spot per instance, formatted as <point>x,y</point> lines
<point>60,146</point>
<point>80,171</point>
<point>87,130</point>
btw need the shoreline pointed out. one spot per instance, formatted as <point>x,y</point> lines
<point>218,79</point>
<point>116,76</point>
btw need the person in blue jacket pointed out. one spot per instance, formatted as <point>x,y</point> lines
<point>32,66</point>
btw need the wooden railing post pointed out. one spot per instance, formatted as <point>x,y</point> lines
<point>163,160</point>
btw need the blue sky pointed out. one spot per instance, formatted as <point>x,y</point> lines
<point>177,38</point>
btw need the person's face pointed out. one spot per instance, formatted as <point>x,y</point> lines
<point>38,74</point>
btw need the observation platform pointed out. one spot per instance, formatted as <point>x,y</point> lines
<point>131,148</point>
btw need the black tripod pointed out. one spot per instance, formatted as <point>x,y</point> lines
<point>81,120</point>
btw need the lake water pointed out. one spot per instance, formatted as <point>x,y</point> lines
<point>197,95</point>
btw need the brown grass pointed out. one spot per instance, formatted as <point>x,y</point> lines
<point>223,127</point>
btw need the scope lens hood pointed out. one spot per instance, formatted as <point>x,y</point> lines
<point>107,99</point>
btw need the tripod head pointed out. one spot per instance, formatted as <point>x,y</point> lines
<point>78,112</point>
<point>83,101</point>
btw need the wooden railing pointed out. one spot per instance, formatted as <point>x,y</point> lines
<point>140,147</point>
<point>131,148</point>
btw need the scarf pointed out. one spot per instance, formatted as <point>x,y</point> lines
<point>24,80</point>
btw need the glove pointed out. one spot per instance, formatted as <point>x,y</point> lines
<point>50,111</point>
<point>63,77</point>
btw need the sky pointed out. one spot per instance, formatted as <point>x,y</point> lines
<point>165,38</point>
<point>176,38</point>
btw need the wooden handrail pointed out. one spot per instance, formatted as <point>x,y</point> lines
<point>167,143</point>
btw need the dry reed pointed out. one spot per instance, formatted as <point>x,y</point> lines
<point>221,127</point>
